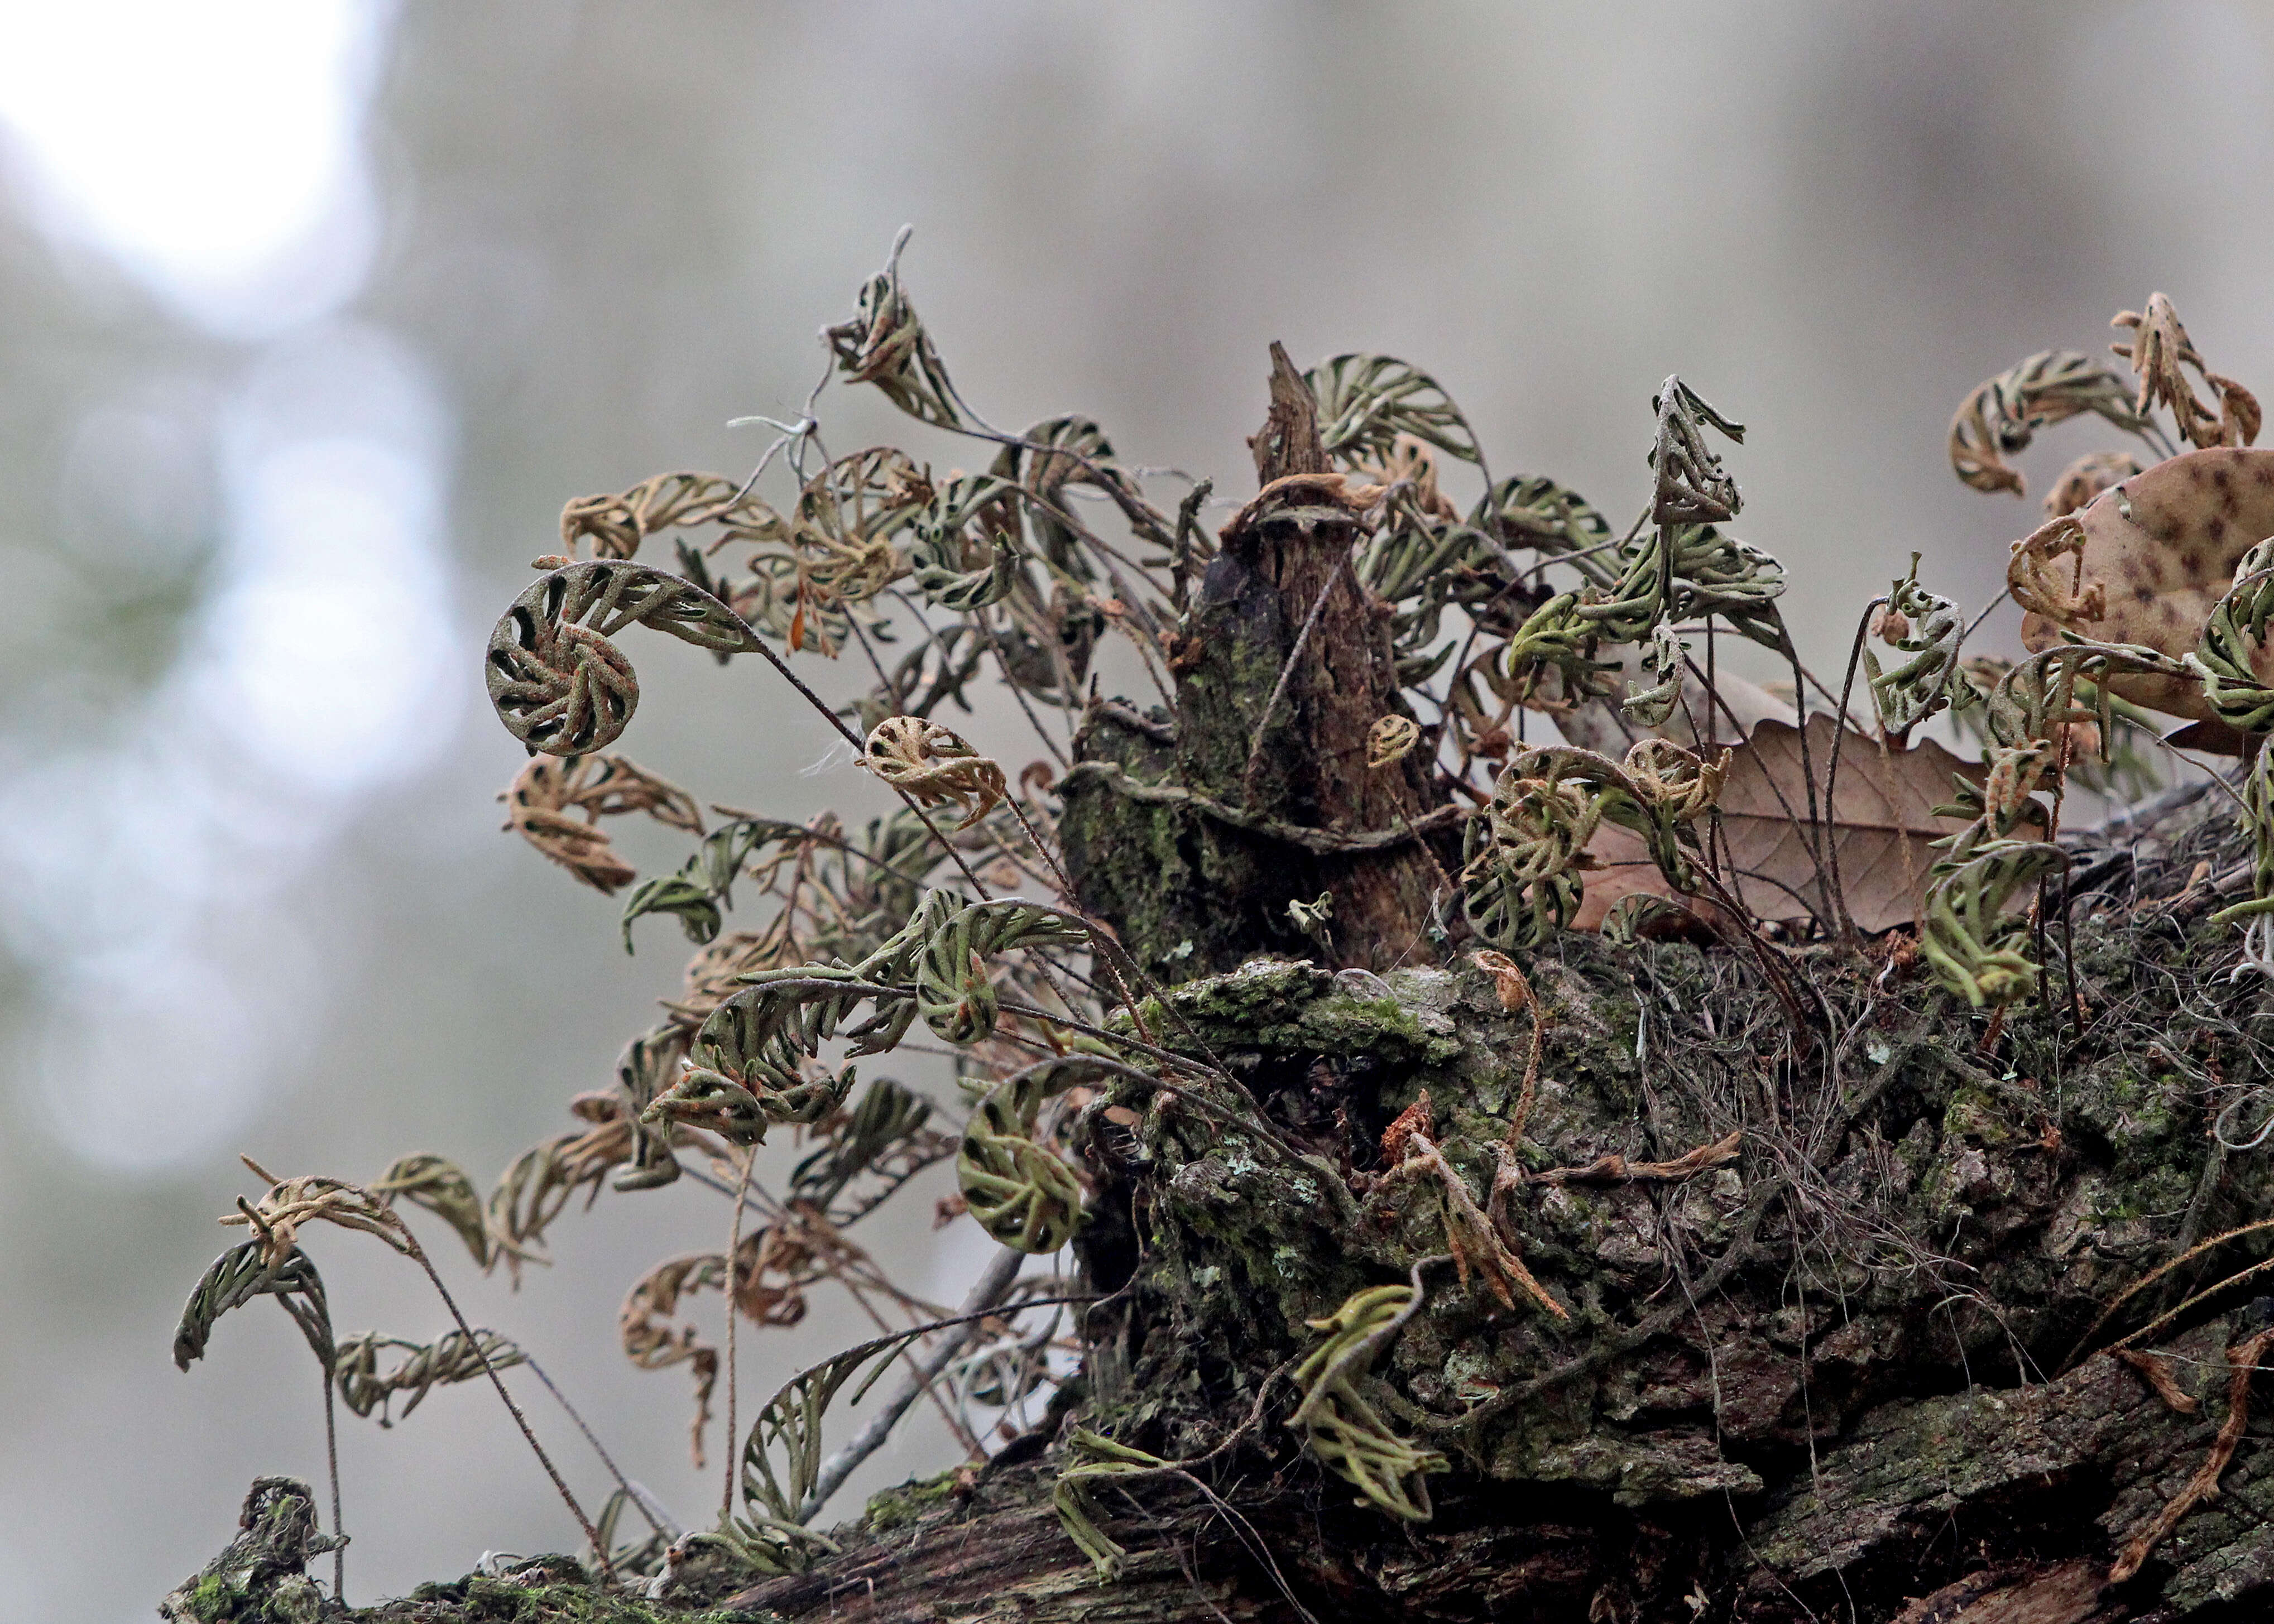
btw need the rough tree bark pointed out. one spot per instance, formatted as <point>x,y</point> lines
<point>1283,667</point>
<point>1858,1362</point>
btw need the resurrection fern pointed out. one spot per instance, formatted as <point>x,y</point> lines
<point>366,1389</point>
<point>941,922</point>
<point>1341,1427</point>
<point>2002,415</point>
<point>1097,1460</point>
<point>1930,629</point>
<point>2234,642</point>
<point>1020,1192</point>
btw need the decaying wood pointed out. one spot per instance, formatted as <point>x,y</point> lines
<point>1282,673</point>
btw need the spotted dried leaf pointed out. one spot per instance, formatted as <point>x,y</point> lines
<point>2087,478</point>
<point>2160,548</point>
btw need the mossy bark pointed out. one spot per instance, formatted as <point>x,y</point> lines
<point>1281,668</point>
<point>1855,1369</point>
<point>1835,1377</point>
<point>1861,1366</point>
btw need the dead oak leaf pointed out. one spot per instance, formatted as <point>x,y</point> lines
<point>1883,827</point>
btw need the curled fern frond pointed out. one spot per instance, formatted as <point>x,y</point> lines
<point>2064,684</point>
<point>790,1424</point>
<point>933,766</point>
<point>2033,575</point>
<point>652,1341</point>
<point>1559,637</point>
<point>1340,1427</point>
<point>1022,1192</point>
<point>544,793</point>
<point>440,1186</point>
<point>851,511</point>
<point>537,1185</point>
<point>883,1143</point>
<point>1929,628</point>
<point>312,1198</point>
<point>1518,879</point>
<point>2087,478</point>
<point>365,1388</point>
<point>556,680</point>
<point>704,1099</point>
<point>885,344</point>
<point>1093,1459</point>
<point>2256,915</point>
<point>1693,488</point>
<point>615,523</point>
<point>955,993</point>
<point>1653,706</point>
<point>2233,637</point>
<point>1366,401</point>
<point>1534,512</point>
<point>941,562</point>
<point>2158,349</point>
<point>1390,740</point>
<point>2002,415</point>
<point>1064,451</point>
<point>1970,939</point>
<point>243,1273</point>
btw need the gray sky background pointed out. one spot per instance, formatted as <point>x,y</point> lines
<point>314,312</point>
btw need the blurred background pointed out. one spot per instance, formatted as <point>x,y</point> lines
<point>313,313</point>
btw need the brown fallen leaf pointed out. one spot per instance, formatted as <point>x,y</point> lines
<point>2161,548</point>
<point>1884,828</point>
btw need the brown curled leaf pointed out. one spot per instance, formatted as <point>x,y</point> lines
<point>2160,350</point>
<point>545,793</point>
<point>2003,414</point>
<point>933,766</point>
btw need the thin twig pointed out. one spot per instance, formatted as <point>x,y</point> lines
<point>418,1253</point>
<point>331,1460</point>
<point>993,1285</point>
<point>734,1318</point>
<point>632,1493</point>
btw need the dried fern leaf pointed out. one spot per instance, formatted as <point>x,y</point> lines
<point>2002,415</point>
<point>365,1389</point>
<point>243,1273</point>
<point>440,1186</point>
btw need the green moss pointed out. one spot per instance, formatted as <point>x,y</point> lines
<point>1973,1113</point>
<point>214,1597</point>
<point>479,1599</point>
<point>894,1507</point>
